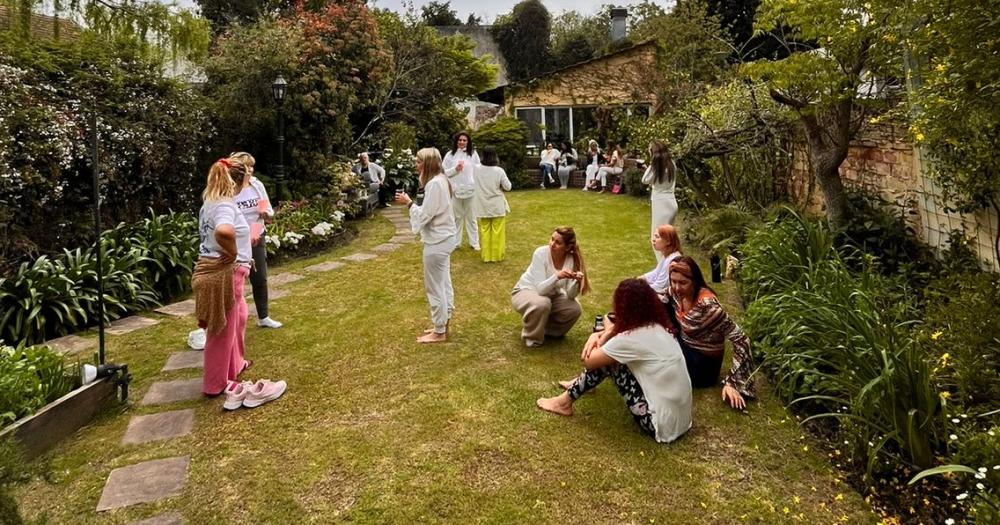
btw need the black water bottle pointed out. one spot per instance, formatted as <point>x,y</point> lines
<point>716,269</point>
<point>599,323</point>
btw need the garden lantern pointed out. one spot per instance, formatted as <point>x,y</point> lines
<point>279,88</point>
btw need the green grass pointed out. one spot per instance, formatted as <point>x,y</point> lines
<point>377,429</point>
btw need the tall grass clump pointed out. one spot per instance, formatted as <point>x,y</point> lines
<point>840,345</point>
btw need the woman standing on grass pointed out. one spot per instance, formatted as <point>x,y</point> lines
<point>491,206</point>
<point>253,202</point>
<point>704,327</point>
<point>545,296</point>
<point>667,245</point>
<point>661,175</point>
<point>642,357</point>
<point>217,282</point>
<point>459,165</point>
<point>434,220</point>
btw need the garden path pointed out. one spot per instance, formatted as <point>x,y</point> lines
<point>377,429</point>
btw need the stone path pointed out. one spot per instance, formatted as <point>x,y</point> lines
<point>151,481</point>
<point>72,344</point>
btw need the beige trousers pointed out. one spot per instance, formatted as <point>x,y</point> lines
<point>544,315</point>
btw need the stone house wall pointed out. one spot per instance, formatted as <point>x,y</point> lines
<point>882,160</point>
<point>618,78</point>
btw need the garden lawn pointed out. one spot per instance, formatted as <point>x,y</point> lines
<point>377,429</point>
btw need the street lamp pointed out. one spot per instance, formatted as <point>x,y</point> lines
<point>279,88</point>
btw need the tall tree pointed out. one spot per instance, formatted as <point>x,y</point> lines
<point>832,89</point>
<point>577,37</point>
<point>523,36</point>
<point>222,13</point>
<point>473,20</point>
<point>436,13</point>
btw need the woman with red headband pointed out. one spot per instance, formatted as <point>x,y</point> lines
<point>645,361</point>
<point>703,329</point>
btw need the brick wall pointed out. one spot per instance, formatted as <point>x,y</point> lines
<point>883,161</point>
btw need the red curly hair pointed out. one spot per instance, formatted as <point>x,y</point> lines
<point>636,305</point>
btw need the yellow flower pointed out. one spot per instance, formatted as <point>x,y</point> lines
<point>839,497</point>
<point>940,68</point>
<point>919,137</point>
<point>785,510</point>
<point>796,499</point>
<point>944,357</point>
<point>945,395</point>
<point>936,335</point>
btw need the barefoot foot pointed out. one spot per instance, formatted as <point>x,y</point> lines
<point>560,404</point>
<point>567,384</point>
<point>432,338</point>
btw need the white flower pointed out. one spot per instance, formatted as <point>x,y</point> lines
<point>962,496</point>
<point>956,420</point>
<point>953,437</point>
<point>949,521</point>
<point>980,486</point>
<point>273,239</point>
<point>322,229</point>
<point>338,215</point>
<point>982,469</point>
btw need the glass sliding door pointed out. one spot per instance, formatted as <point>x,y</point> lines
<point>557,125</point>
<point>532,117</point>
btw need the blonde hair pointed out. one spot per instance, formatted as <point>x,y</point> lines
<point>244,157</point>
<point>430,158</point>
<point>669,234</point>
<point>225,178</point>
<point>568,235</point>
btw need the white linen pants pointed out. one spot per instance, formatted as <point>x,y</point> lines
<point>664,211</point>
<point>437,283</point>
<point>465,218</point>
<point>602,174</point>
<point>591,175</point>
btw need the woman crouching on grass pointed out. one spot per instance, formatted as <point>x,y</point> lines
<point>641,355</point>
<point>224,258</point>
<point>434,219</point>
<point>704,327</point>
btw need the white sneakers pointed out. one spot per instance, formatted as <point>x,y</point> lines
<point>267,322</point>
<point>253,395</point>
<point>196,339</point>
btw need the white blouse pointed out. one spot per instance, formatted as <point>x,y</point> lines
<point>461,181</point>
<point>541,276</point>
<point>434,220</point>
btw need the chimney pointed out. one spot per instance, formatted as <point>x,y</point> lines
<point>618,17</point>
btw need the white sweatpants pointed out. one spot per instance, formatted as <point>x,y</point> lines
<point>591,174</point>
<point>602,174</point>
<point>465,217</point>
<point>437,283</point>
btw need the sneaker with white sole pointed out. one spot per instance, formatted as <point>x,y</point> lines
<point>264,391</point>
<point>267,322</point>
<point>235,394</point>
<point>196,339</point>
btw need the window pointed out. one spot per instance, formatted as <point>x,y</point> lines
<point>532,117</point>
<point>557,125</point>
<point>584,123</point>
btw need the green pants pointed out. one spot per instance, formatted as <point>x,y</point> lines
<point>492,238</point>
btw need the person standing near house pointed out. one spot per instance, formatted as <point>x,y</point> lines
<point>434,220</point>
<point>547,164</point>
<point>253,203</point>
<point>661,174</point>
<point>594,161</point>
<point>459,165</point>
<point>615,166</point>
<point>491,206</point>
<point>567,163</point>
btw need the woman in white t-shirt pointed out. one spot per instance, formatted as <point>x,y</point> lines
<point>459,165</point>
<point>491,206</point>
<point>434,220</point>
<point>642,356</point>
<point>253,202</point>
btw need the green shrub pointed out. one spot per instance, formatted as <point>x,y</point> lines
<point>839,344</point>
<point>633,183</point>
<point>12,470</point>
<point>962,330</point>
<point>722,230</point>
<point>30,378</point>
<point>509,136</point>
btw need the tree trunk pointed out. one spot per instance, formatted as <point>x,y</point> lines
<point>826,166</point>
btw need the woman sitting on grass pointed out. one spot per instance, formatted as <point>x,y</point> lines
<point>645,361</point>
<point>545,295</point>
<point>704,327</point>
<point>667,245</point>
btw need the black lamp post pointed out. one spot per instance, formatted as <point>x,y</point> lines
<point>279,88</point>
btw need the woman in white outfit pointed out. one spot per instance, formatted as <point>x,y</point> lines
<point>459,165</point>
<point>667,245</point>
<point>615,166</point>
<point>567,164</point>
<point>661,174</point>
<point>548,164</point>
<point>434,220</point>
<point>594,160</point>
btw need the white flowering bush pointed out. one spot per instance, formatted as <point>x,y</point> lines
<point>400,167</point>
<point>304,226</point>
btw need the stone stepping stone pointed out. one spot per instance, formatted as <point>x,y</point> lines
<point>402,239</point>
<point>130,324</point>
<point>145,482</point>
<point>162,392</point>
<point>359,257</point>
<point>157,427</point>
<point>282,279</point>
<point>170,518</point>
<point>180,309</point>
<point>325,267</point>
<point>71,344</point>
<point>182,360</point>
<point>387,247</point>
<point>276,293</point>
